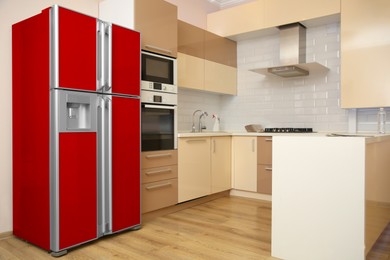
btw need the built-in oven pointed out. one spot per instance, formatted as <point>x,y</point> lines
<point>158,120</point>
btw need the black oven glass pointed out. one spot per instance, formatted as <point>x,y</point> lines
<point>157,129</point>
<point>157,69</point>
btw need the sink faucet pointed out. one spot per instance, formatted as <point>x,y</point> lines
<point>200,121</point>
<point>193,120</point>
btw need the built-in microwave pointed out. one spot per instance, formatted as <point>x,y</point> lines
<point>158,72</point>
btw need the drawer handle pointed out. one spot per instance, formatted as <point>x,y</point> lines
<point>157,186</point>
<point>152,156</point>
<point>268,169</point>
<point>196,140</point>
<point>158,172</point>
<point>268,139</point>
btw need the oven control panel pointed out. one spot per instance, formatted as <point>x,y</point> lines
<point>154,97</point>
<point>159,87</point>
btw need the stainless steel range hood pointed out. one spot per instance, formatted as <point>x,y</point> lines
<point>292,54</point>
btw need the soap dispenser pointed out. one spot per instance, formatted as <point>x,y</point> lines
<point>216,123</point>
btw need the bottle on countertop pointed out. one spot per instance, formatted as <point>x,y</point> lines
<point>216,123</point>
<point>381,121</point>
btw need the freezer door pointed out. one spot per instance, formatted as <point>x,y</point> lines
<point>73,173</point>
<point>73,50</point>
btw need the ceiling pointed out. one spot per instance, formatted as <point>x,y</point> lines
<point>228,3</point>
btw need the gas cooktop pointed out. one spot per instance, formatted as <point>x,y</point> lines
<point>288,130</point>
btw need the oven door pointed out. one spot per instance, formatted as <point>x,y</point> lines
<point>158,127</point>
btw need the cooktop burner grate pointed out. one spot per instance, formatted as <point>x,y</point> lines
<point>288,130</point>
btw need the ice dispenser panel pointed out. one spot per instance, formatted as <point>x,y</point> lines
<point>77,111</point>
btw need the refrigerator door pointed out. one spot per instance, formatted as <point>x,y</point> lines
<point>73,50</point>
<point>119,164</point>
<point>126,60</point>
<point>73,175</point>
<point>125,163</point>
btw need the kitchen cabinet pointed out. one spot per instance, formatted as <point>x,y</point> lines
<point>159,179</point>
<point>244,156</point>
<point>204,166</point>
<point>206,61</point>
<point>264,164</point>
<point>365,53</point>
<point>220,163</point>
<point>194,168</point>
<point>157,22</point>
<point>263,14</point>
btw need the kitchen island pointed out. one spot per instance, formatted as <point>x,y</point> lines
<point>330,195</point>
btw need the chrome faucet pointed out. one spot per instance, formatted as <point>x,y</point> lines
<point>193,120</point>
<point>201,127</point>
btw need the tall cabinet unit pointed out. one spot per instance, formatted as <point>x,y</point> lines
<point>157,22</point>
<point>365,53</point>
<point>76,133</point>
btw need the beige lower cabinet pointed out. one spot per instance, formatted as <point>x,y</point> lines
<point>204,166</point>
<point>264,164</point>
<point>159,180</point>
<point>221,163</point>
<point>244,156</point>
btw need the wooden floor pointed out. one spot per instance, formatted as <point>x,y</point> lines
<point>225,228</point>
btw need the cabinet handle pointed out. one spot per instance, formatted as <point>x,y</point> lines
<point>158,172</point>
<point>158,49</point>
<point>196,140</point>
<point>157,186</point>
<point>214,149</point>
<point>268,169</point>
<point>253,145</point>
<point>268,139</point>
<point>152,156</point>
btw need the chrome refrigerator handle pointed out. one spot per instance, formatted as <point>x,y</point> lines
<point>109,57</point>
<point>109,163</point>
<point>101,77</point>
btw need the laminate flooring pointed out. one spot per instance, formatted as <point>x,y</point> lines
<point>225,228</point>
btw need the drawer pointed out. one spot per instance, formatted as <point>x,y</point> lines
<point>157,195</point>
<point>159,173</point>
<point>264,150</point>
<point>158,158</point>
<point>264,179</point>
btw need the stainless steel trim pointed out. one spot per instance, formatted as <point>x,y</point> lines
<point>109,57</point>
<point>156,172</point>
<point>54,142</point>
<point>101,166</point>
<point>101,56</point>
<point>152,47</point>
<point>162,107</point>
<point>153,156</point>
<point>157,186</point>
<point>109,163</point>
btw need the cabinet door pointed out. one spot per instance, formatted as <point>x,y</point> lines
<point>365,53</point>
<point>77,50</point>
<point>190,40</point>
<point>245,163</point>
<point>190,71</point>
<point>264,150</point>
<point>194,168</point>
<point>220,164</point>
<point>220,49</point>
<point>220,78</point>
<point>157,22</point>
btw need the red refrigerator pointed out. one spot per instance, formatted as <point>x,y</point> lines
<point>76,129</point>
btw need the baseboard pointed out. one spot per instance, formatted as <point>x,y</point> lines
<point>250,195</point>
<point>5,235</point>
<point>184,205</point>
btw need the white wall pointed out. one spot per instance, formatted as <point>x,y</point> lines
<point>12,11</point>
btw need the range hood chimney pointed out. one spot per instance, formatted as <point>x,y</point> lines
<point>292,49</point>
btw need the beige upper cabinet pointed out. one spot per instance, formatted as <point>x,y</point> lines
<point>264,14</point>
<point>206,61</point>
<point>157,22</point>
<point>365,53</point>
